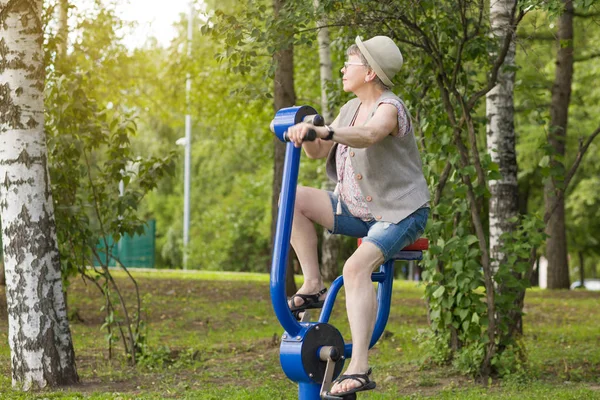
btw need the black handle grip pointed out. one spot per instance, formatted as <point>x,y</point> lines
<point>311,135</point>
<point>318,120</point>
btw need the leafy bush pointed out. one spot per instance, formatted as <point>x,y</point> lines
<point>98,184</point>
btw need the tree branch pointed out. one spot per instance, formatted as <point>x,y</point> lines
<point>460,46</point>
<point>479,19</point>
<point>543,36</point>
<point>583,148</point>
<point>427,45</point>
<point>586,15</point>
<point>443,179</point>
<point>500,60</point>
<point>473,140</point>
<point>587,57</point>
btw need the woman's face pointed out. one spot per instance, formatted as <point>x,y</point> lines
<point>353,73</point>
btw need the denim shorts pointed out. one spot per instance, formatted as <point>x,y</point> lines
<point>389,238</point>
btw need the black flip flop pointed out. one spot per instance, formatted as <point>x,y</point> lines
<point>309,301</point>
<point>363,379</point>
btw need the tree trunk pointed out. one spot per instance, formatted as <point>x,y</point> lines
<point>556,245</point>
<point>284,96</point>
<point>63,28</point>
<point>38,330</point>
<point>581,268</point>
<point>331,244</point>
<point>504,193</point>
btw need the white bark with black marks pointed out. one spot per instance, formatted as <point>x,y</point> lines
<point>501,135</point>
<point>39,335</point>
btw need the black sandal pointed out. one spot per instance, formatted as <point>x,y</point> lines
<point>363,379</point>
<point>309,301</point>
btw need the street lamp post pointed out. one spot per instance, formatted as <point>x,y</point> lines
<point>188,144</point>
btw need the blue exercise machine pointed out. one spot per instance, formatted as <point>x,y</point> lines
<point>312,353</point>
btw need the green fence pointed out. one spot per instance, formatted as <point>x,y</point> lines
<point>133,251</point>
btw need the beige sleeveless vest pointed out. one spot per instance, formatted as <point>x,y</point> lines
<point>391,176</point>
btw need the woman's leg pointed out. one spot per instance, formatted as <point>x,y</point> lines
<point>361,302</point>
<point>361,306</point>
<point>312,206</point>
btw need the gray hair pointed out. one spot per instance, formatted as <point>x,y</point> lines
<point>355,51</point>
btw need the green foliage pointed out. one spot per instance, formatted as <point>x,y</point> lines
<point>512,363</point>
<point>231,107</point>
<point>89,158</point>
<point>470,357</point>
<point>451,289</point>
<point>436,346</point>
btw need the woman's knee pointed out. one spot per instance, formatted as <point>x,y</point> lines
<point>315,205</point>
<point>355,271</point>
<point>302,198</point>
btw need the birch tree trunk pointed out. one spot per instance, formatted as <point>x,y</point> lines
<point>284,96</point>
<point>556,245</point>
<point>504,193</point>
<point>331,244</point>
<point>38,330</point>
<point>63,28</point>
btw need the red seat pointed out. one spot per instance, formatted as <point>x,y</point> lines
<point>420,245</point>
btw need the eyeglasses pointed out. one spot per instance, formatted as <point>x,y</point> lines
<point>346,64</point>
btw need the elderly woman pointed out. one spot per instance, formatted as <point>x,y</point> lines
<point>381,194</point>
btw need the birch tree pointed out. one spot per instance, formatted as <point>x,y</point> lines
<point>39,336</point>
<point>63,28</point>
<point>504,193</point>
<point>330,247</point>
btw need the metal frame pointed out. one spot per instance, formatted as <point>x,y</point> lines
<point>295,332</point>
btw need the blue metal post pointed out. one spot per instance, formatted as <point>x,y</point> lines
<point>283,234</point>
<point>309,391</point>
<point>384,300</point>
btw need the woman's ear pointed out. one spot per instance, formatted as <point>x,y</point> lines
<point>370,76</point>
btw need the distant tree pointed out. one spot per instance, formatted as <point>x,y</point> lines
<point>556,246</point>
<point>63,28</point>
<point>39,336</point>
<point>331,244</point>
<point>284,96</point>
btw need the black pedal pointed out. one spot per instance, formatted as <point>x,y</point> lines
<point>298,314</point>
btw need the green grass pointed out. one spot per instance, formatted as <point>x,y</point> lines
<point>213,335</point>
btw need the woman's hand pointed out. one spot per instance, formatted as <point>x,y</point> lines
<point>298,132</point>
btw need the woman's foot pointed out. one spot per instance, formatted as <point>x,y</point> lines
<point>307,298</point>
<point>352,382</point>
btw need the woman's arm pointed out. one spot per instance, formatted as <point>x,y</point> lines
<point>383,123</point>
<point>316,149</point>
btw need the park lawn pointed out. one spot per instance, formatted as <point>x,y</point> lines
<point>213,335</point>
